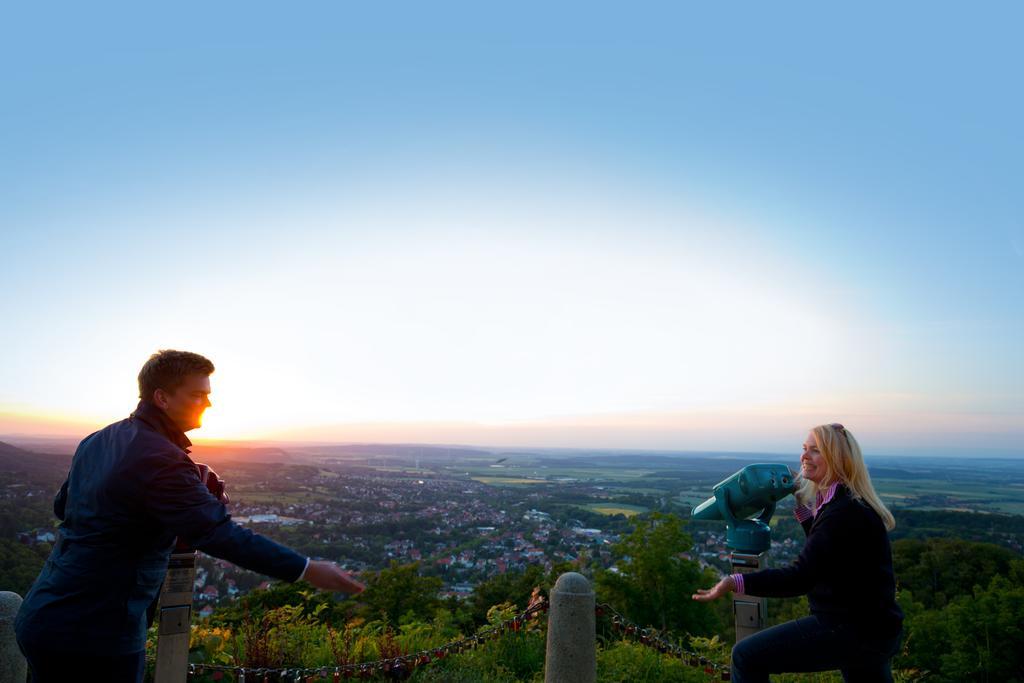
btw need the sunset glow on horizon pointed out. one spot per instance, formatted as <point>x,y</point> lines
<point>519,239</point>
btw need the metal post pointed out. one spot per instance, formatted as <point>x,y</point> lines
<point>175,619</point>
<point>571,652</point>
<point>750,612</point>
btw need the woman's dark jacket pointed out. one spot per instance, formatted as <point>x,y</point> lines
<point>845,569</point>
<point>131,490</point>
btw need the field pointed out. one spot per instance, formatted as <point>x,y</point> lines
<point>693,497</point>
<point>936,494</point>
<point>980,485</point>
<point>616,509</point>
<point>633,478</point>
<point>508,481</point>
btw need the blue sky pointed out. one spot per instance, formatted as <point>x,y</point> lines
<point>645,226</point>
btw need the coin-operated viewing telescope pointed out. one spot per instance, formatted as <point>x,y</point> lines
<point>746,501</point>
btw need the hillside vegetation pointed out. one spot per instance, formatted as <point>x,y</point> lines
<point>964,602</point>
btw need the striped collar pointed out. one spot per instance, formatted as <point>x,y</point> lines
<point>823,498</point>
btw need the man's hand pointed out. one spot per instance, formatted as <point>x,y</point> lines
<point>214,483</point>
<point>330,577</point>
<point>726,585</point>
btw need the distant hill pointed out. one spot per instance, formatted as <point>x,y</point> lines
<point>8,449</point>
<point>212,454</point>
<point>43,444</point>
<point>396,450</point>
<point>14,460</point>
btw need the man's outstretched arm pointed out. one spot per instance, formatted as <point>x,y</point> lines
<point>180,500</point>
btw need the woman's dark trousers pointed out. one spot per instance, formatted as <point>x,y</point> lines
<point>809,645</point>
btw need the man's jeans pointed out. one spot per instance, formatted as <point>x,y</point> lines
<point>809,645</point>
<point>48,664</point>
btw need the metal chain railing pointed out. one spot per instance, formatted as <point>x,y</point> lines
<point>402,666</point>
<point>656,640</point>
<point>397,668</point>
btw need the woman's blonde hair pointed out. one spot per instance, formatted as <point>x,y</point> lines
<point>844,463</point>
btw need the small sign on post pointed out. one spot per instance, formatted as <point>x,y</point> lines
<point>175,615</point>
<point>750,612</point>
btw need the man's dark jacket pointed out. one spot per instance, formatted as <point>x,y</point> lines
<point>131,491</point>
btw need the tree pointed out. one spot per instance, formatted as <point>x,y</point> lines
<point>654,582</point>
<point>325,607</point>
<point>937,570</point>
<point>20,564</point>
<point>513,587</point>
<point>399,590</point>
<point>976,638</point>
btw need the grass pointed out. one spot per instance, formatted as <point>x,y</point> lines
<point>616,509</point>
<point>408,469</point>
<point>508,481</point>
<point>988,497</point>
<point>693,497</point>
<point>602,475</point>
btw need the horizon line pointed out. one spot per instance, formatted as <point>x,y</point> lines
<point>264,443</point>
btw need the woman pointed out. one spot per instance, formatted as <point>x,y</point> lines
<point>845,569</point>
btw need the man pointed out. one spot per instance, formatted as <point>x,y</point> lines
<point>131,491</point>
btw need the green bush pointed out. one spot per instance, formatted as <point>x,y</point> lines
<point>967,636</point>
<point>511,658</point>
<point>653,581</point>
<point>628,662</point>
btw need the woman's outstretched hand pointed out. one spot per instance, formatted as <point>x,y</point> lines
<point>726,585</point>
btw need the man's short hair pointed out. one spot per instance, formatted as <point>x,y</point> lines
<point>167,370</point>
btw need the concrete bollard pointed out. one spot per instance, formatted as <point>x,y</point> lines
<point>571,652</point>
<point>13,667</point>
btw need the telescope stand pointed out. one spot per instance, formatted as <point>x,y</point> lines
<point>750,612</point>
<point>175,619</point>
